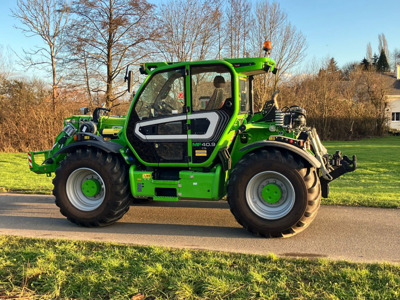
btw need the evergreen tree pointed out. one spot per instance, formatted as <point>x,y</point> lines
<point>375,59</point>
<point>331,70</point>
<point>332,66</point>
<point>365,64</point>
<point>382,65</point>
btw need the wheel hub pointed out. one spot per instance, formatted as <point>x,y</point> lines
<point>271,193</point>
<point>91,187</point>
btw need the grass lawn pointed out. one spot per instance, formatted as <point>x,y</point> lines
<point>375,183</point>
<point>46,269</point>
<point>16,177</point>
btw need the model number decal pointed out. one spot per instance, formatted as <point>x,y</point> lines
<point>203,144</point>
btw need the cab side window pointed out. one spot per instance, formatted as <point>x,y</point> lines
<point>163,96</point>
<point>244,93</point>
<point>211,87</point>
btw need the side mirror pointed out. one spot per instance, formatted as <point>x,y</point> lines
<point>129,79</point>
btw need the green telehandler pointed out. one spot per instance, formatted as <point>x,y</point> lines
<point>192,133</point>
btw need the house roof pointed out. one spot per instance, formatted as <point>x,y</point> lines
<point>392,83</point>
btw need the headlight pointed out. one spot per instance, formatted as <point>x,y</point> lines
<point>69,129</point>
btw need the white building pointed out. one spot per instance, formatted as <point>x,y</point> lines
<point>393,103</point>
<point>393,109</point>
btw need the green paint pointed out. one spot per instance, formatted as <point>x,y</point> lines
<point>271,193</point>
<point>191,184</point>
<point>91,187</point>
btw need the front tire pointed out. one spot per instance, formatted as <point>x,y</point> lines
<point>272,194</point>
<point>92,188</point>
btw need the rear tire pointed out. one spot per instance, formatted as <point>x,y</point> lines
<point>92,188</point>
<point>272,194</point>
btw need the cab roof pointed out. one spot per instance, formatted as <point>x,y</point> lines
<point>246,66</point>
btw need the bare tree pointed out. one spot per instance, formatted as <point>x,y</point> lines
<point>270,21</point>
<point>111,34</point>
<point>369,53</point>
<point>288,43</point>
<point>372,89</point>
<point>396,58</point>
<point>6,63</point>
<point>289,51</point>
<point>82,72</point>
<point>48,20</point>
<point>383,45</point>
<point>340,108</point>
<point>190,29</point>
<point>238,23</point>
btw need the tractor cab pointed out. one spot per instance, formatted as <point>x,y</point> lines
<point>186,113</point>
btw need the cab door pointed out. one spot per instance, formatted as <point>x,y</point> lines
<point>157,125</point>
<point>211,108</point>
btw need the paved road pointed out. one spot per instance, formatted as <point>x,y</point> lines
<point>356,234</point>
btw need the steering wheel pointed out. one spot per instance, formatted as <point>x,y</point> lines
<point>162,108</point>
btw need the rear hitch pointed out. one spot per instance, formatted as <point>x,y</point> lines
<point>340,164</point>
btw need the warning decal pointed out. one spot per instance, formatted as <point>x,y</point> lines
<point>201,153</point>
<point>146,176</point>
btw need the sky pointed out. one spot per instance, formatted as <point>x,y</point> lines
<point>336,28</point>
<point>342,29</point>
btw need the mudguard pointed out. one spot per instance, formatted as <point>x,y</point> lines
<point>108,147</point>
<point>296,150</point>
<point>50,164</point>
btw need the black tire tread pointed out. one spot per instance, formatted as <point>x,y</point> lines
<point>308,174</point>
<point>118,172</point>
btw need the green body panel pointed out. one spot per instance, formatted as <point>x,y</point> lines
<point>252,66</point>
<point>256,132</point>
<point>202,185</point>
<point>111,122</point>
<point>191,184</point>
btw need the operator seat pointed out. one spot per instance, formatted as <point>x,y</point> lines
<point>217,98</point>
